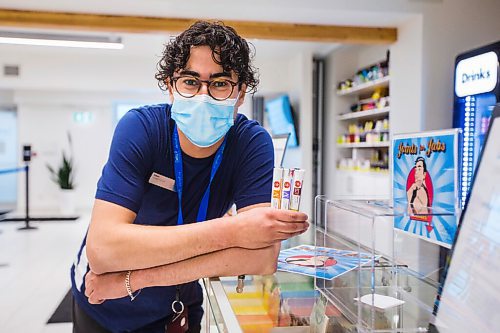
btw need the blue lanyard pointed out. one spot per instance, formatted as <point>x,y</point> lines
<point>179,178</point>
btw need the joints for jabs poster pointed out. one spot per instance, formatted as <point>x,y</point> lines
<point>425,183</point>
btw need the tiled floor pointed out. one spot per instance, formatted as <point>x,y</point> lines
<point>34,273</point>
<point>34,276</point>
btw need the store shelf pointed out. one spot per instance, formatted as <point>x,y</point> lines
<point>371,172</point>
<point>363,145</point>
<point>357,184</point>
<point>365,114</point>
<point>365,87</point>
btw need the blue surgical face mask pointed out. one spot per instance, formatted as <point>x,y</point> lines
<point>202,119</point>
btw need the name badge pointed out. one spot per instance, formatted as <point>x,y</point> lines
<point>162,181</point>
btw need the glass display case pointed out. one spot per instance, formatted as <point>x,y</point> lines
<point>384,279</point>
<point>393,284</point>
<point>282,302</point>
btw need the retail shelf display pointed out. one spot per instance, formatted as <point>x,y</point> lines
<point>372,171</point>
<point>364,145</point>
<point>363,136</point>
<point>365,114</point>
<point>365,87</point>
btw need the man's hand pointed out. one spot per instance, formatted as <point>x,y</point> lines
<point>263,226</point>
<point>99,288</point>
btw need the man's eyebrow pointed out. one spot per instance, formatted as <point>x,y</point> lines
<point>221,74</point>
<point>189,72</point>
<point>212,76</point>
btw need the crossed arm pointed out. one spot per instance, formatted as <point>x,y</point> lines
<point>228,262</point>
<point>163,256</point>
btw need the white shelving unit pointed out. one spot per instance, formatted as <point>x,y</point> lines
<point>365,114</point>
<point>362,184</point>
<point>365,87</point>
<point>364,145</point>
<point>356,183</point>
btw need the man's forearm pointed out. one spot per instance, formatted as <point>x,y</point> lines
<point>132,247</point>
<point>115,244</point>
<point>229,262</point>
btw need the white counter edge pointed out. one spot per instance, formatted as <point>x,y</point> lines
<point>225,307</point>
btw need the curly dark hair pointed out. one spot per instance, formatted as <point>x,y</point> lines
<point>232,50</point>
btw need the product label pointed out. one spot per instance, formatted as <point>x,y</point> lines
<point>297,189</point>
<point>286,190</point>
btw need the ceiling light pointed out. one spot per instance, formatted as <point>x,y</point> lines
<point>90,42</point>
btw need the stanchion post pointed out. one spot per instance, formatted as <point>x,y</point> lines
<point>27,159</point>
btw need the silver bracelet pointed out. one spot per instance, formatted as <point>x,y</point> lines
<point>129,289</point>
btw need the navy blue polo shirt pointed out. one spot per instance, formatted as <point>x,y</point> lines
<point>142,144</point>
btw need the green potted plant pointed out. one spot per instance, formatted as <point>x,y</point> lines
<point>63,176</point>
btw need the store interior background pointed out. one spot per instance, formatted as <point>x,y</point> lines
<point>54,83</point>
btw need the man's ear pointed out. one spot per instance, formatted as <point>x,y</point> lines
<point>170,90</point>
<point>241,98</point>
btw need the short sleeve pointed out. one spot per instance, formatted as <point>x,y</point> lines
<point>124,176</point>
<point>255,170</point>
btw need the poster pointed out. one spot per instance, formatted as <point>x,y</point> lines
<point>425,184</point>
<point>322,262</point>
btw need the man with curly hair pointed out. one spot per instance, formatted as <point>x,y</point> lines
<point>170,166</point>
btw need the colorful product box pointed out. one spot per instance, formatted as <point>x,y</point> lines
<point>298,180</point>
<point>287,188</point>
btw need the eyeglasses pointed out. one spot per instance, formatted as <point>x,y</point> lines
<point>219,88</point>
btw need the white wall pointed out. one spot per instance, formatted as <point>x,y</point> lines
<point>300,88</point>
<point>77,70</point>
<point>406,86</point>
<point>339,65</point>
<point>293,76</point>
<point>6,98</point>
<point>452,28</point>
<point>45,118</point>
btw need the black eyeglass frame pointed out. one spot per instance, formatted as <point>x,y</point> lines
<point>207,82</point>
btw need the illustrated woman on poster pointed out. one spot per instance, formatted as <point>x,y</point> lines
<point>417,193</point>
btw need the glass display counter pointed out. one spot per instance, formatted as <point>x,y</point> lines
<point>394,285</point>
<point>282,302</point>
<point>391,289</point>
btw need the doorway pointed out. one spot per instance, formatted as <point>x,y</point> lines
<point>8,158</point>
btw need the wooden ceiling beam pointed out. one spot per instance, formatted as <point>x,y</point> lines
<point>248,29</point>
